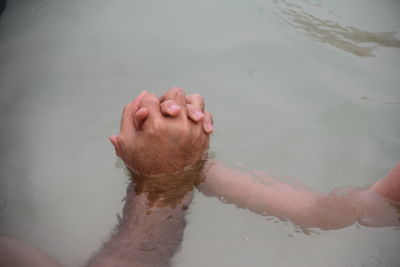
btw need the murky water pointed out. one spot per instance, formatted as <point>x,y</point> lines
<point>307,89</point>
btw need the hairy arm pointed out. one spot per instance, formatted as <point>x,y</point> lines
<point>164,155</point>
<point>145,235</point>
<point>306,208</point>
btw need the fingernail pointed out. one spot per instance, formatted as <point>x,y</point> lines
<point>210,127</point>
<point>175,108</point>
<point>198,115</point>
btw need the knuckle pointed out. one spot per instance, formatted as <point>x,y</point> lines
<point>191,108</point>
<point>151,99</point>
<point>198,97</point>
<point>164,106</point>
<point>198,100</point>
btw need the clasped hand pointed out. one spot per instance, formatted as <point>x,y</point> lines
<point>164,141</point>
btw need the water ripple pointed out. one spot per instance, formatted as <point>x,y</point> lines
<point>350,39</point>
<point>372,261</point>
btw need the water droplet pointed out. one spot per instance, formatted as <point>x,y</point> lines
<point>371,261</point>
<point>223,199</point>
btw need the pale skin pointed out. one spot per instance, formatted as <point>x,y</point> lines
<point>373,206</point>
<point>376,205</point>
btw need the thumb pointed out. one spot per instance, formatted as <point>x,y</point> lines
<point>114,139</point>
<point>140,117</point>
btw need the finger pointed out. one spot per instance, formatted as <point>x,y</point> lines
<point>196,100</point>
<point>208,123</point>
<point>194,113</point>
<point>138,99</point>
<point>152,104</point>
<point>127,121</point>
<point>140,117</point>
<point>170,108</point>
<point>177,95</point>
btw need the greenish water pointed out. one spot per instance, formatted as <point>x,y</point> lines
<point>306,89</point>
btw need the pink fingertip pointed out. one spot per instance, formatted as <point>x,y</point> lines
<point>198,115</point>
<point>113,139</point>
<point>175,108</point>
<point>210,127</point>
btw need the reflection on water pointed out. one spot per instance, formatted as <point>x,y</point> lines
<point>350,39</point>
<point>374,101</point>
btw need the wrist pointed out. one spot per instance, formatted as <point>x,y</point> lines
<point>138,213</point>
<point>170,189</point>
<point>140,205</point>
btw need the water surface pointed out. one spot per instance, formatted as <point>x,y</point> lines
<point>307,89</point>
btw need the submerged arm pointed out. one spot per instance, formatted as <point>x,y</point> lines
<point>147,234</point>
<point>389,186</point>
<point>165,157</point>
<point>342,207</point>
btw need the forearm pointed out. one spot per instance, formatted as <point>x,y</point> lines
<point>145,236</point>
<point>389,186</point>
<point>264,196</point>
<point>306,208</point>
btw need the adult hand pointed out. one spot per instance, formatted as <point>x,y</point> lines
<point>163,145</point>
<point>165,154</point>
